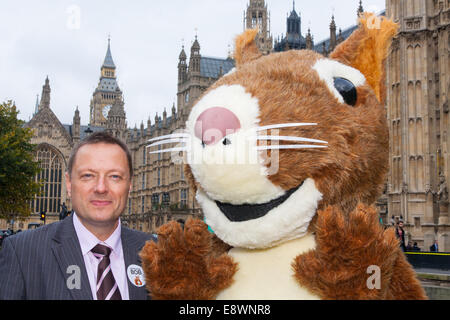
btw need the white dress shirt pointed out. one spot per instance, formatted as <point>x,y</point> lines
<point>87,242</point>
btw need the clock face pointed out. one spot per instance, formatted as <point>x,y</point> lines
<point>105,111</point>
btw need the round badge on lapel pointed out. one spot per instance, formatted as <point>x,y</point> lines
<point>136,275</point>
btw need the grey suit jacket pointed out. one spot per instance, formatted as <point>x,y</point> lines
<point>36,265</point>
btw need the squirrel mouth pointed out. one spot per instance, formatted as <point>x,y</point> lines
<point>247,212</point>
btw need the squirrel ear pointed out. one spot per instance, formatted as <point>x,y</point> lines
<point>246,48</point>
<point>367,49</point>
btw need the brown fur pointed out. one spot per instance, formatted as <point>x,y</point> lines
<point>190,178</point>
<point>246,49</point>
<point>349,173</point>
<point>331,270</point>
<point>187,264</point>
<point>352,169</point>
<point>366,50</point>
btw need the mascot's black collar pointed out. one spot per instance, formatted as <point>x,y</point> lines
<point>246,212</point>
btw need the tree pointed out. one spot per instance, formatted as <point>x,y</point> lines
<point>17,166</point>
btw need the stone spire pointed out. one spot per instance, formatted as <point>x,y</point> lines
<point>36,108</point>
<point>294,23</point>
<point>182,67</point>
<point>76,126</point>
<point>194,63</point>
<point>340,37</point>
<point>165,117</point>
<point>109,63</point>
<point>309,40</point>
<point>106,92</point>
<point>332,34</point>
<point>257,16</point>
<point>116,123</point>
<point>117,109</point>
<point>45,96</point>
<point>360,9</point>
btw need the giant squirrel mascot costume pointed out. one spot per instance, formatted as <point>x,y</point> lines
<point>309,229</point>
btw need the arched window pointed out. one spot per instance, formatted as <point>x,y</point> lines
<point>143,181</point>
<point>183,198</point>
<point>411,61</point>
<point>51,163</point>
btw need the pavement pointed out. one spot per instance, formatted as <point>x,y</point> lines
<point>436,282</point>
<point>432,271</point>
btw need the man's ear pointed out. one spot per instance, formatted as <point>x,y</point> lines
<point>246,48</point>
<point>367,49</point>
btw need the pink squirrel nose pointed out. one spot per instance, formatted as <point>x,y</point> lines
<point>216,123</point>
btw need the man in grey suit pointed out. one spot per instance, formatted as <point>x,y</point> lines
<point>89,255</point>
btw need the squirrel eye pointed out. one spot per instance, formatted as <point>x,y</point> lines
<point>226,142</point>
<point>347,90</point>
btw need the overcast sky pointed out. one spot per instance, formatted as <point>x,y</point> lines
<point>45,37</point>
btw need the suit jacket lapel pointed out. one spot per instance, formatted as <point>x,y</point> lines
<point>67,251</point>
<point>131,246</point>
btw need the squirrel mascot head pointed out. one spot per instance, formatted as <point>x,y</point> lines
<point>286,134</point>
<point>287,154</point>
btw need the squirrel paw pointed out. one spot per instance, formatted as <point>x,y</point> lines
<point>348,250</point>
<point>182,264</point>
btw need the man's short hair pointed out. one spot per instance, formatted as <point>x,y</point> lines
<point>100,137</point>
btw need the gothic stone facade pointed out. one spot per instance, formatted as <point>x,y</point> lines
<point>417,108</point>
<point>160,192</point>
<point>418,86</point>
<point>418,83</point>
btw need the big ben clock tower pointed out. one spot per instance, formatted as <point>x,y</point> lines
<point>106,93</point>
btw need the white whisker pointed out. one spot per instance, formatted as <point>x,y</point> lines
<point>171,136</point>
<point>295,139</point>
<point>286,147</point>
<point>285,125</point>
<point>169,150</point>
<point>160,143</point>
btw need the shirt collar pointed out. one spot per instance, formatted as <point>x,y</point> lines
<point>88,240</point>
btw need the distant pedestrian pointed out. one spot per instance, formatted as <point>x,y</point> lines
<point>434,247</point>
<point>409,247</point>
<point>415,247</point>
<point>393,223</point>
<point>400,233</point>
<point>63,214</point>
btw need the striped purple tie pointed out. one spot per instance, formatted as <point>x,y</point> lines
<point>106,284</point>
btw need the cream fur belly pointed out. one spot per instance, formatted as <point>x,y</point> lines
<point>268,274</point>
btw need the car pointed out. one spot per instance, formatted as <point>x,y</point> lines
<point>34,225</point>
<point>4,234</point>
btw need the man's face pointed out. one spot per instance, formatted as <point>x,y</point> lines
<point>99,184</point>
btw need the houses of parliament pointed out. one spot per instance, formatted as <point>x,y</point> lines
<point>418,72</point>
